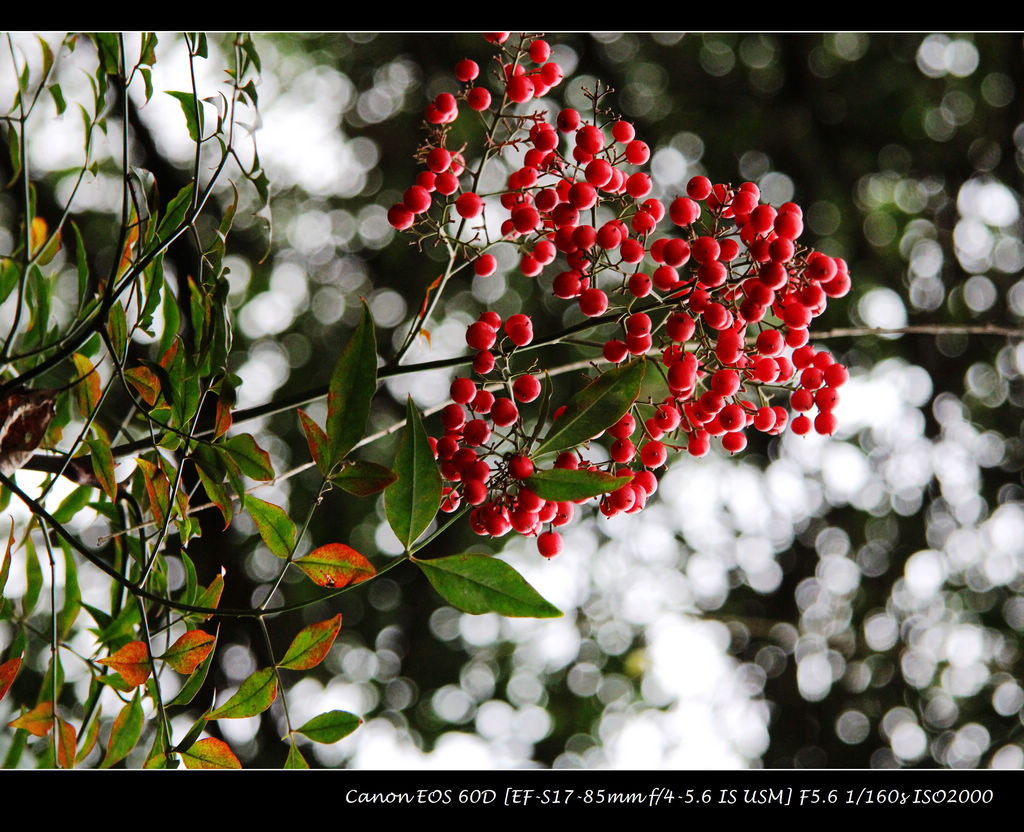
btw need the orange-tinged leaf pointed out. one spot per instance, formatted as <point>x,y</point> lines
<point>223,421</point>
<point>211,595</point>
<point>317,441</point>
<point>67,742</point>
<point>426,334</point>
<point>131,661</point>
<point>336,565</point>
<point>87,388</point>
<point>38,722</point>
<point>90,738</point>
<point>146,382</point>
<point>210,753</point>
<point>37,233</point>
<point>8,672</point>
<point>426,297</point>
<point>125,732</point>
<point>311,644</point>
<point>157,487</point>
<point>129,244</point>
<point>189,651</point>
<point>254,696</point>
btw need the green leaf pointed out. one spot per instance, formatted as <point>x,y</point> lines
<point>193,732</point>
<point>330,727</point>
<point>89,740</point>
<point>5,566</point>
<point>317,441</point>
<point>193,113</point>
<point>72,596</point>
<point>353,384</point>
<point>364,478</point>
<point>103,465</point>
<point>210,753</point>
<point>194,682</point>
<point>58,98</point>
<point>117,328</point>
<point>177,208</point>
<point>125,732</point>
<point>480,583</point>
<point>311,645</point>
<point>565,485</point>
<point>413,500</point>
<point>218,495</point>
<point>253,696</point>
<point>595,408</point>
<point>250,458</point>
<point>295,758</point>
<point>336,565</point>
<point>275,527</point>
<point>72,504</point>
<point>81,265</point>
<point>33,579</point>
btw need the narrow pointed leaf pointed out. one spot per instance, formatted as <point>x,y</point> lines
<point>275,527</point>
<point>317,441</point>
<point>209,597</point>
<point>295,759</point>
<point>158,489</point>
<point>117,329</point>
<point>189,651</point>
<point>131,661</point>
<point>190,107</point>
<point>311,645</point>
<point>362,479</point>
<point>157,757</point>
<point>125,732</point>
<point>251,459</point>
<point>87,743</point>
<point>413,500</point>
<point>38,722</point>
<point>72,504</point>
<point>103,465</point>
<point>9,671</point>
<point>5,565</point>
<point>218,495</point>
<point>480,583</point>
<point>87,387</point>
<point>353,384</point>
<point>210,753</point>
<point>336,565</point>
<point>193,733</point>
<point>66,744</point>
<point>253,696</point>
<point>146,382</point>
<point>595,408</point>
<point>564,484</point>
<point>194,683</point>
<point>72,596</point>
<point>330,727</point>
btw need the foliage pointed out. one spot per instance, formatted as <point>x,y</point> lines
<point>165,559</point>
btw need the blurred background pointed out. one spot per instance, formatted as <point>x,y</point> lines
<point>856,601</point>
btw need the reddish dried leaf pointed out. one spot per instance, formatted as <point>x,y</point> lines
<point>131,661</point>
<point>8,671</point>
<point>336,565</point>
<point>24,418</point>
<point>189,651</point>
<point>67,742</point>
<point>311,645</point>
<point>38,721</point>
<point>146,382</point>
<point>210,753</point>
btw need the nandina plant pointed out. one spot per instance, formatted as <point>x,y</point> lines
<point>695,312</point>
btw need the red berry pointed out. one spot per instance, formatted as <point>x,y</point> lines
<point>400,217</point>
<point>653,454</point>
<point>478,99</point>
<point>504,412</point>
<point>593,302</point>
<point>519,329</point>
<point>549,544</point>
<point>699,187</point>
<point>466,70</point>
<point>520,466</point>
<point>463,390</point>
<point>469,205</point>
<point>485,265</point>
<point>526,388</point>
<point>416,199</point>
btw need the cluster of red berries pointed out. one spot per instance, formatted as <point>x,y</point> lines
<point>725,304</point>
